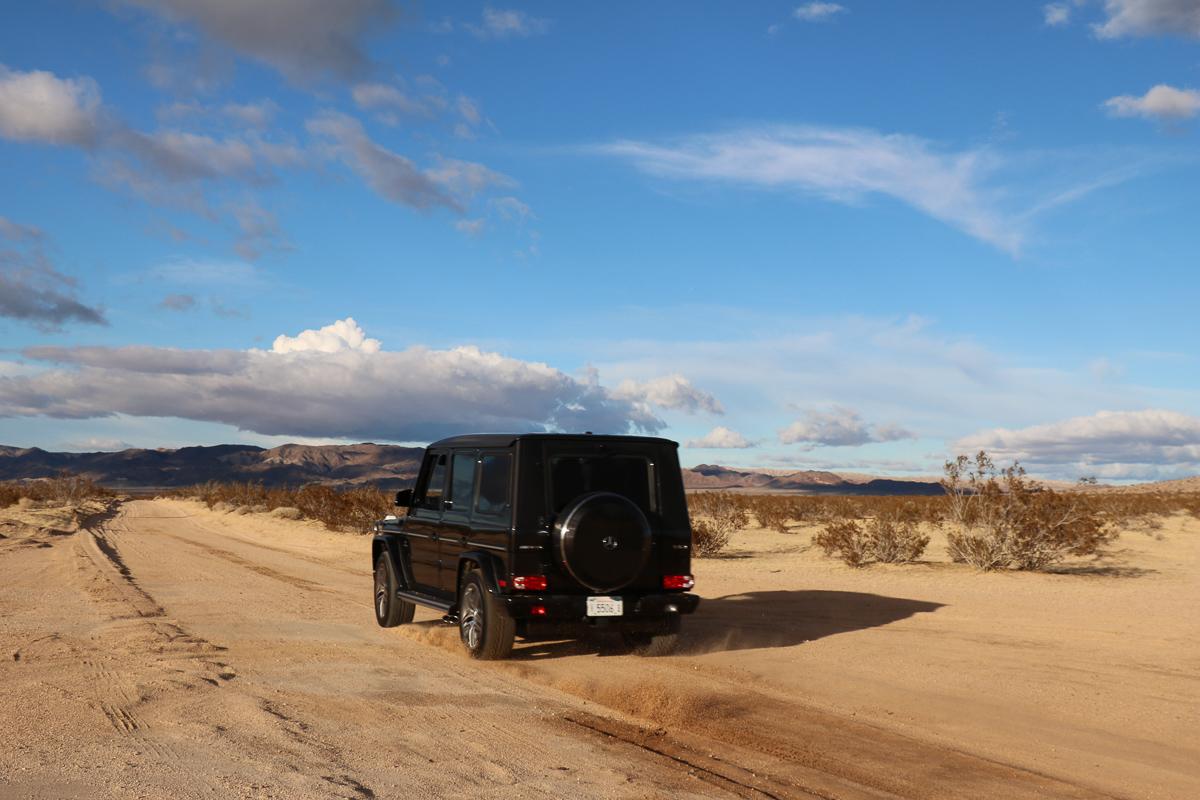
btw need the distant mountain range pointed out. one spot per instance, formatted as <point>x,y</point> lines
<point>386,466</point>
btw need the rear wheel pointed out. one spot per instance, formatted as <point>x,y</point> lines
<point>486,631</point>
<point>390,610</point>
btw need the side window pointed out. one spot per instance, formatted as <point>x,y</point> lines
<point>430,495</point>
<point>462,482</point>
<point>494,470</point>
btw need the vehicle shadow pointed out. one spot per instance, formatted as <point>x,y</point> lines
<point>763,619</point>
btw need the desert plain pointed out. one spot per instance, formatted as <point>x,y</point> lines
<point>156,648</point>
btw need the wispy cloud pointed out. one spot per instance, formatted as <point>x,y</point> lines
<point>501,23</point>
<point>818,12</point>
<point>31,289</point>
<point>977,190</point>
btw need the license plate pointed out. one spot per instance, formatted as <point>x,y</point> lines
<point>605,607</point>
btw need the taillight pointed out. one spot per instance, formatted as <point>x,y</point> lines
<point>529,583</point>
<point>678,582</point>
<point>538,611</point>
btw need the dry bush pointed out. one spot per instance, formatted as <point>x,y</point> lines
<point>1006,520</point>
<point>715,517</point>
<point>707,539</point>
<point>890,538</point>
<point>896,540</point>
<point>773,511</point>
<point>845,539</point>
<point>355,509</point>
<point>63,489</point>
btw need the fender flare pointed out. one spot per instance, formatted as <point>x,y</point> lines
<point>487,565</point>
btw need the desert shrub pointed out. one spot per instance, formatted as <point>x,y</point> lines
<point>890,538</point>
<point>715,517</point>
<point>772,511</point>
<point>895,539</point>
<point>63,489</point>
<point>707,539</point>
<point>1004,519</point>
<point>845,539</point>
<point>356,509</point>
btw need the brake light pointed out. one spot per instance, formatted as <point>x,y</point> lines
<point>538,611</point>
<point>678,582</point>
<point>529,583</point>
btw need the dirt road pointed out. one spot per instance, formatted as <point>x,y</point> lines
<point>168,651</point>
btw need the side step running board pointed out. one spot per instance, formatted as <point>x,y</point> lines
<point>424,600</point>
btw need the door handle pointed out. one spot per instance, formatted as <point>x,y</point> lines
<point>434,536</point>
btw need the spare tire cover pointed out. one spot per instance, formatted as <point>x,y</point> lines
<point>603,540</point>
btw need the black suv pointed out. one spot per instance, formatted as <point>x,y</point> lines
<point>543,536</point>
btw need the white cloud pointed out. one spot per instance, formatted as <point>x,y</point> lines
<point>507,24</point>
<point>818,12</point>
<point>672,392</point>
<point>1150,18</point>
<point>1113,444</point>
<point>1056,14</point>
<point>98,444</point>
<point>301,38</point>
<point>721,438</point>
<point>330,382</point>
<point>839,427</point>
<point>345,334</point>
<point>842,165</point>
<point>1161,102</point>
<point>41,107</point>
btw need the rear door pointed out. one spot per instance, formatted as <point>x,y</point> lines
<point>456,516</point>
<point>423,524</point>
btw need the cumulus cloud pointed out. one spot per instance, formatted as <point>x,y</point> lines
<point>672,392</point>
<point>301,38</point>
<point>31,289</point>
<point>839,427</point>
<point>41,107</point>
<point>1150,18</point>
<point>818,12</point>
<point>720,438</point>
<point>1113,444</point>
<point>329,382</point>
<point>842,165</point>
<point>509,23</point>
<point>1161,102</point>
<point>345,334</point>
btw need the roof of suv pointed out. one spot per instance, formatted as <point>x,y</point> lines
<point>507,439</point>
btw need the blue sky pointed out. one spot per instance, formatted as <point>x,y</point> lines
<point>855,235</point>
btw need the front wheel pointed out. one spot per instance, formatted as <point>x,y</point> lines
<point>486,631</point>
<point>390,610</point>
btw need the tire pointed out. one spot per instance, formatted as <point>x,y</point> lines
<point>485,629</point>
<point>390,610</point>
<point>603,540</point>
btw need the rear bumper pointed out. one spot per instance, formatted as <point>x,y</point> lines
<point>573,607</point>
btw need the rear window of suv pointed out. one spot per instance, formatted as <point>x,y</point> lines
<point>627,475</point>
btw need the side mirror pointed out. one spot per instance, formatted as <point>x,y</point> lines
<point>404,498</point>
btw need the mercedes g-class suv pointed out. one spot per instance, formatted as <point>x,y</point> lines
<point>543,536</point>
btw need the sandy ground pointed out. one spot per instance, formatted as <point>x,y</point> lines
<point>164,650</point>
